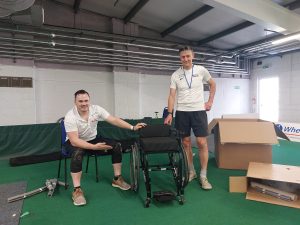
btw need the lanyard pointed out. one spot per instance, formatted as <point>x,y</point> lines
<point>189,84</point>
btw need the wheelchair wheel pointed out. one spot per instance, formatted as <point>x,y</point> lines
<point>184,169</point>
<point>135,167</point>
<point>181,200</point>
<point>180,165</point>
<point>147,202</point>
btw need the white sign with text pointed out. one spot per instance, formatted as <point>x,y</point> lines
<point>292,130</point>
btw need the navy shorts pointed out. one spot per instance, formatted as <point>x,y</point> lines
<point>196,120</point>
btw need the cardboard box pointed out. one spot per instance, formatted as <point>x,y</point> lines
<point>241,116</point>
<point>285,179</point>
<point>240,141</point>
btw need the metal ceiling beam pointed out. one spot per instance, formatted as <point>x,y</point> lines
<point>293,5</point>
<point>241,48</point>
<point>187,19</point>
<point>225,32</point>
<point>76,5</point>
<point>268,14</point>
<point>279,54</point>
<point>255,43</point>
<point>135,10</point>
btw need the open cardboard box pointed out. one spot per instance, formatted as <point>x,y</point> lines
<point>240,141</point>
<point>284,176</point>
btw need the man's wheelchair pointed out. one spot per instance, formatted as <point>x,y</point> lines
<point>159,139</point>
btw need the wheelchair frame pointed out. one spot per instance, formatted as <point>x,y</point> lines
<point>177,163</point>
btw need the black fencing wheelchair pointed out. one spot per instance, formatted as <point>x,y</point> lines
<point>159,139</point>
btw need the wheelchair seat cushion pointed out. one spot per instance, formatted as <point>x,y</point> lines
<point>157,130</point>
<point>159,144</point>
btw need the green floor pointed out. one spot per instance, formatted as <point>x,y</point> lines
<point>110,206</point>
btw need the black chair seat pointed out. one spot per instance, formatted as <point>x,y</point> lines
<point>159,144</point>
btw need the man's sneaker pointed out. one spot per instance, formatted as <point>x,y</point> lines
<point>205,184</point>
<point>120,183</point>
<point>78,197</point>
<point>192,175</point>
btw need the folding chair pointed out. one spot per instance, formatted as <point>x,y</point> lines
<point>92,154</point>
<point>65,154</point>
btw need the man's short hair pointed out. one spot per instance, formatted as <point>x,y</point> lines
<point>81,92</point>
<point>186,48</point>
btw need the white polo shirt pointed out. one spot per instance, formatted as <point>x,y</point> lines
<point>189,87</point>
<point>87,130</point>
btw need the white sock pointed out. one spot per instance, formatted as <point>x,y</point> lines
<point>203,173</point>
<point>191,168</point>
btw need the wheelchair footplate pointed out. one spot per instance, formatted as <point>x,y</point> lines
<point>164,196</point>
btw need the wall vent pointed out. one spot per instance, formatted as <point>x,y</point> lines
<point>16,82</point>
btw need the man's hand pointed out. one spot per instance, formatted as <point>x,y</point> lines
<point>208,106</point>
<point>168,119</point>
<point>139,126</point>
<point>102,146</point>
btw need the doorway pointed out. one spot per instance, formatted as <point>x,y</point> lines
<point>269,99</point>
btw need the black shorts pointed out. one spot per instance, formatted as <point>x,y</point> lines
<point>196,120</point>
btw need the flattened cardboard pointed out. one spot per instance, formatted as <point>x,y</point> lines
<point>274,172</point>
<point>264,171</point>
<point>256,196</point>
<point>240,141</point>
<point>238,184</point>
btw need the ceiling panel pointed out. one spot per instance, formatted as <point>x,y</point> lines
<point>209,24</point>
<point>159,15</point>
<point>111,8</point>
<point>93,24</point>
<point>245,36</point>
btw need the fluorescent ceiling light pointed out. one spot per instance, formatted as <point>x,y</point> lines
<point>286,39</point>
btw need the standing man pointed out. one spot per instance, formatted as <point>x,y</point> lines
<point>81,127</point>
<point>187,82</point>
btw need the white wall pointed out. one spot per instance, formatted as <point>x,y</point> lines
<point>55,90</point>
<point>17,104</point>
<point>127,95</point>
<point>232,97</point>
<point>154,94</point>
<point>287,69</point>
<point>124,94</point>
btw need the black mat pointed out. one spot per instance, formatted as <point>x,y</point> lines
<point>31,159</point>
<point>10,212</point>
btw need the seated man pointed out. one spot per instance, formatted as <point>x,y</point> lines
<point>81,127</point>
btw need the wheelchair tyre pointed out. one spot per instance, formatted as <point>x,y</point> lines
<point>147,202</point>
<point>135,167</point>
<point>184,169</point>
<point>181,200</point>
<point>179,162</point>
